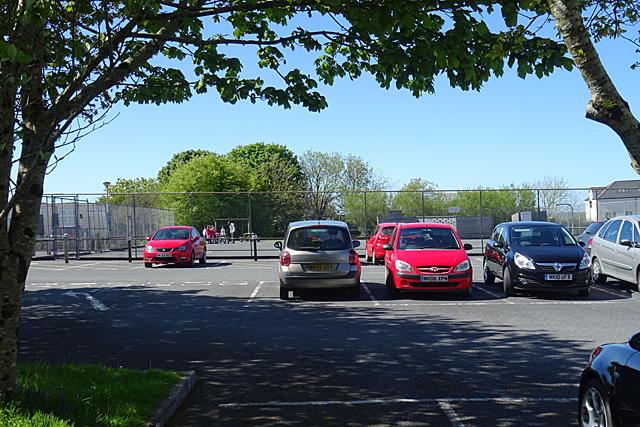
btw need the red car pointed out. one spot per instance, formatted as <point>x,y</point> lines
<point>175,245</point>
<point>380,236</point>
<point>427,257</point>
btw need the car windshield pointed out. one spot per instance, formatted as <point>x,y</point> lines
<point>316,238</point>
<point>427,238</point>
<point>541,235</point>
<point>172,234</point>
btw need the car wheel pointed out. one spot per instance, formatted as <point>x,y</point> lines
<point>376,261</point>
<point>489,278</point>
<point>284,292</point>
<point>192,259</point>
<point>638,281</point>
<point>594,406</point>
<point>203,260</point>
<point>583,293</point>
<point>507,283</point>
<point>391,286</point>
<point>148,265</point>
<point>355,291</point>
<point>367,258</point>
<point>596,272</point>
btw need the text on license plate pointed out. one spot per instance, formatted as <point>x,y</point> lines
<point>320,267</point>
<point>434,278</point>
<point>163,255</point>
<point>557,277</point>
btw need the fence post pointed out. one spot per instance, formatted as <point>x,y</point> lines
<point>191,209</point>
<point>250,222</point>
<point>129,246</point>
<point>135,229</point>
<point>365,214</point>
<point>65,247</point>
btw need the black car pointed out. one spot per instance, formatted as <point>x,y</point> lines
<point>609,393</point>
<point>536,256</point>
<point>587,235</point>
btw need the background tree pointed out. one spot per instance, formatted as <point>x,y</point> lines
<point>136,185</point>
<point>500,204</point>
<point>64,63</point>
<point>177,160</point>
<point>418,197</point>
<point>277,171</point>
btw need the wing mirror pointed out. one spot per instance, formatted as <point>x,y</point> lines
<point>626,242</point>
<point>278,245</point>
<point>634,342</point>
<point>498,245</point>
<point>387,247</point>
<point>468,246</point>
<point>148,238</point>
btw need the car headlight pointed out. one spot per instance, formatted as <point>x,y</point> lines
<point>586,262</point>
<point>524,262</point>
<point>463,266</point>
<point>181,248</point>
<point>403,266</point>
<point>148,248</point>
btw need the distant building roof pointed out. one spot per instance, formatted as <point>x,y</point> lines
<point>618,190</point>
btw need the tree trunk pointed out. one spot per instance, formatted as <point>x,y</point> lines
<point>606,105</point>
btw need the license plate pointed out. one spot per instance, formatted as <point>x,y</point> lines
<point>320,267</point>
<point>434,278</point>
<point>557,277</point>
<point>163,255</point>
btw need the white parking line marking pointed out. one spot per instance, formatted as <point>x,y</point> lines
<point>94,302</point>
<point>366,288</point>
<point>401,400</point>
<point>608,291</point>
<point>234,284</point>
<point>450,413</point>
<point>82,284</point>
<point>253,295</point>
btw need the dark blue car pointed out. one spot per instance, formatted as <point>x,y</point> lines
<point>609,393</point>
<point>536,256</point>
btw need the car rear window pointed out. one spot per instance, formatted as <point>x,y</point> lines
<point>319,238</point>
<point>387,231</point>
<point>427,238</point>
<point>594,227</point>
<point>541,235</point>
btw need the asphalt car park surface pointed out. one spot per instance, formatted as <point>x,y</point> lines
<point>326,359</point>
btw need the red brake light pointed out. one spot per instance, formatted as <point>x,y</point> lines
<point>353,257</point>
<point>590,240</point>
<point>285,259</point>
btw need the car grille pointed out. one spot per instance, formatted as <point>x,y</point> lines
<point>434,269</point>
<point>551,267</point>
<point>163,249</point>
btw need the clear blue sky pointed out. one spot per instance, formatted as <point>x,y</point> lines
<point>513,131</point>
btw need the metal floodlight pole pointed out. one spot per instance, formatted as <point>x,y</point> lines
<point>567,204</point>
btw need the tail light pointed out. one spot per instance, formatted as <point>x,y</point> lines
<point>285,259</point>
<point>353,257</point>
<point>590,240</point>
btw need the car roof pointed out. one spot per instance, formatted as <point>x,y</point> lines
<point>297,224</point>
<point>425,224</point>
<point>636,217</point>
<point>174,227</point>
<point>517,223</point>
<point>387,224</point>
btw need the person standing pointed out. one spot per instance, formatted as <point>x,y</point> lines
<point>223,235</point>
<point>232,229</point>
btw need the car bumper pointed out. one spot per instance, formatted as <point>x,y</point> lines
<point>351,279</point>
<point>535,281</point>
<point>176,258</point>
<point>414,282</point>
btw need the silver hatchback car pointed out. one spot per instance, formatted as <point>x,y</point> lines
<point>615,250</point>
<point>318,254</point>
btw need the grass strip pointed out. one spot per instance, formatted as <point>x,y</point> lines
<point>85,395</point>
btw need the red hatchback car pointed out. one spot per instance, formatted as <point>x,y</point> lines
<point>175,245</point>
<point>427,257</point>
<point>380,236</point>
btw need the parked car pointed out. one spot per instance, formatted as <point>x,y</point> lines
<point>425,257</point>
<point>536,256</point>
<point>615,251</point>
<point>175,245</point>
<point>587,235</point>
<point>318,254</point>
<point>380,236</point>
<point>610,386</point>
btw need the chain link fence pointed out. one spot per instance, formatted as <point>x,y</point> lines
<point>98,227</point>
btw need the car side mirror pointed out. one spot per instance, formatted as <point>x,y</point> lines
<point>387,247</point>
<point>626,242</point>
<point>634,342</point>
<point>498,245</point>
<point>278,245</point>
<point>356,243</point>
<point>468,246</point>
<point>366,237</point>
<point>148,238</point>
